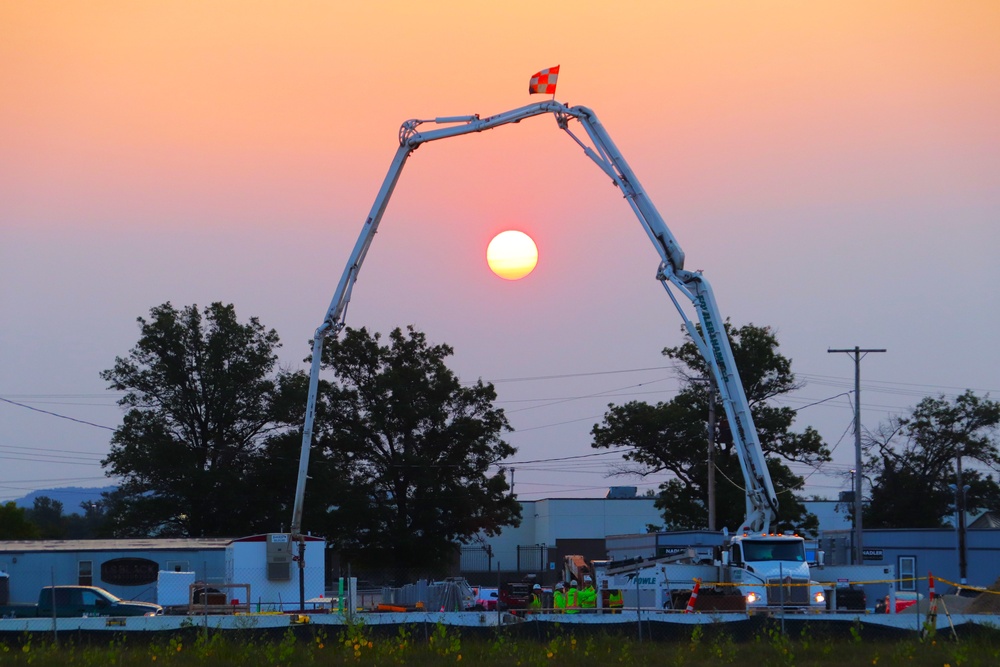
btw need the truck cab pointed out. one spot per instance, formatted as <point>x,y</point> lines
<point>76,601</point>
<point>772,571</point>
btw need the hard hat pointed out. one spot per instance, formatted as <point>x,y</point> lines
<point>536,587</point>
<point>573,583</point>
<point>586,577</point>
<point>559,584</point>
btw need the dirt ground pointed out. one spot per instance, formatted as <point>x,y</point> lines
<point>987,602</point>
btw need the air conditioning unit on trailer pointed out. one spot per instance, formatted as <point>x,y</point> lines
<point>279,557</point>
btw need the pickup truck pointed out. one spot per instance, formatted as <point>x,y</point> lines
<point>78,601</point>
<point>514,596</point>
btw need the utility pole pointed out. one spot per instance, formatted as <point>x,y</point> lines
<point>960,492</point>
<point>854,503</point>
<point>857,352</point>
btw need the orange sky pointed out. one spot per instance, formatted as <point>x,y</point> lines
<point>226,94</point>
<point>834,167</point>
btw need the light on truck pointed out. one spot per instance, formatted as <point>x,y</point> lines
<point>819,598</point>
<point>752,597</point>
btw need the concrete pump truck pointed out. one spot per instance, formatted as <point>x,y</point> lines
<point>753,561</point>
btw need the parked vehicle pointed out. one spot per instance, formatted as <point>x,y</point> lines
<point>514,596</point>
<point>904,600</point>
<point>851,598</point>
<point>487,599</point>
<point>77,601</point>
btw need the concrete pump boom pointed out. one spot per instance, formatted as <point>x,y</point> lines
<point>711,339</point>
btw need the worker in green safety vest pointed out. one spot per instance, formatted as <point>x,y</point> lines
<point>587,595</point>
<point>572,599</point>
<point>615,601</point>
<point>559,598</point>
<point>535,603</point>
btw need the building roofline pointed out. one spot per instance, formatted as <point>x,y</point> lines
<point>130,544</point>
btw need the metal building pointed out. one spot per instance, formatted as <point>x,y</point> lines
<point>127,568</point>
<point>555,527</point>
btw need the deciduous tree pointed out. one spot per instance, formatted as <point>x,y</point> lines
<point>200,389</point>
<point>671,436</point>
<point>406,454</point>
<point>912,462</point>
<point>47,514</point>
<point>14,524</point>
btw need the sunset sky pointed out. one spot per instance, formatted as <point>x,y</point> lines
<point>832,166</point>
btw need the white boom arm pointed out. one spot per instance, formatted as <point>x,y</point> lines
<point>712,342</point>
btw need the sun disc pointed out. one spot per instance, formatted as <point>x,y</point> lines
<point>512,255</point>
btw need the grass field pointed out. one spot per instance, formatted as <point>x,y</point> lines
<point>443,645</point>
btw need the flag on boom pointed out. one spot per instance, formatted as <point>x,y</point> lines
<point>544,82</point>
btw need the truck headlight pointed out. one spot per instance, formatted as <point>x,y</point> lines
<point>819,598</point>
<point>752,597</point>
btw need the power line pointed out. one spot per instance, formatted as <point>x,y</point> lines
<point>49,449</point>
<point>897,388</point>
<point>871,385</point>
<point>53,480</point>
<point>563,376</point>
<point>593,395</point>
<point>821,401</point>
<point>55,414</point>
<point>44,458</point>
<point>796,403</point>
<point>569,458</point>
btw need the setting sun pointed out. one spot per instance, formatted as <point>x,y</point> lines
<point>512,255</point>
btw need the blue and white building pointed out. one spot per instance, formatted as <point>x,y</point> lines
<point>259,570</point>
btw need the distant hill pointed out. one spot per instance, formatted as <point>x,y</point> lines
<point>69,496</point>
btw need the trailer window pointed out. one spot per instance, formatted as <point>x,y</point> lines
<point>85,575</point>
<point>907,573</point>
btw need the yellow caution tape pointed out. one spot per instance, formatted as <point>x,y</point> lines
<point>966,587</point>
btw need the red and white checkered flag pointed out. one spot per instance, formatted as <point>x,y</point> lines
<point>544,82</point>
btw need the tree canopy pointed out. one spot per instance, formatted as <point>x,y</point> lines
<point>671,436</point>
<point>404,461</point>
<point>405,455</point>
<point>913,462</point>
<point>46,514</point>
<point>201,394</point>
<point>14,524</point>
